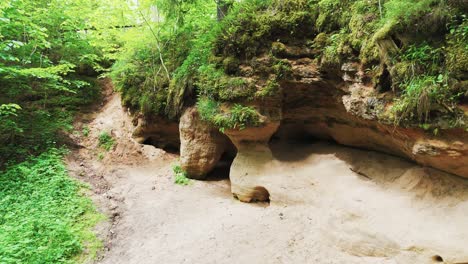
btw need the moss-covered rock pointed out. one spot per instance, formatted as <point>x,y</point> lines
<point>246,57</point>
<point>231,65</point>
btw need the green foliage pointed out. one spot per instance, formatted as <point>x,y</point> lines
<point>48,65</point>
<point>217,84</point>
<point>180,175</point>
<point>253,25</point>
<point>282,70</point>
<point>237,59</point>
<point>106,141</point>
<point>179,44</point>
<point>422,54</point>
<point>236,117</point>
<point>231,65</point>
<point>207,108</point>
<point>9,109</point>
<point>34,128</point>
<point>423,94</point>
<point>85,131</point>
<point>271,88</point>
<point>416,59</point>
<point>239,118</point>
<point>457,48</point>
<point>44,218</point>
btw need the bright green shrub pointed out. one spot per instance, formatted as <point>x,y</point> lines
<point>236,117</point>
<point>180,175</point>
<point>106,141</point>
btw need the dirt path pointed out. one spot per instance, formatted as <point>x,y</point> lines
<point>329,204</point>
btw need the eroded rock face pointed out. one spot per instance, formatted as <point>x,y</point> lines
<point>158,131</point>
<point>346,111</point>
<point>341,105</point>
<point>251,167</point>
<point>201,145</point>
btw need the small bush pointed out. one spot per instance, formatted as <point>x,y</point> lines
<point>106,141</point>
<point>85,131</point>
<point>180,175</point>
<point>237,117</point>
<point>423,94</point>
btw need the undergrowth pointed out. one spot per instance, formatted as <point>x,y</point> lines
<point>36,128</point>
<point>44,215</point>
<point>235,117</point>
<point>106,141</point>
<point>180,176</point>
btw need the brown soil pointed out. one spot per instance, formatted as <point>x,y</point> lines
<point>329,204</point>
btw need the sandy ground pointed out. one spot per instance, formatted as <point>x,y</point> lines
<point>329,204</point>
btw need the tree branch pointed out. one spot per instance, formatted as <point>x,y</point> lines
<point>157,45</point>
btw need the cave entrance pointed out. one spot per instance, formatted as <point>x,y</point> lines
<point>292,140</point>
<point>295,133</point>
<point>222,168</point>
<point>169,147</point>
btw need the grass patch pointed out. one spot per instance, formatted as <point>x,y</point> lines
<point>237,117</point>
<point>44,217</point>
<point>85,131</point>
<point>180,175</point>
<point>106,141</point>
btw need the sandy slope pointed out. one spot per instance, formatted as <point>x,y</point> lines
<point>329,204</point>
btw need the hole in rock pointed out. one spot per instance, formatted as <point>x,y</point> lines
<point>261,194</point>
<point>166,146</point>
<point>385,80</point>
<point>222,168</point>
<point>290,138</point>
<point>437,258</point>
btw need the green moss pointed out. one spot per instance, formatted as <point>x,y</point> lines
<point>282,70</point>
<point>278,49</point>
<point>331,57</point>
<point>271,88</point>
<point>328,20</point>
<point>253,25</point>
<point>412,39</point>
<point>402,71</point>
<point>231,65</point>
<point>213,82</point>
<point>457,49</point>
<point>457,61</point>
<point>320,40</point>
<point>235,117</point>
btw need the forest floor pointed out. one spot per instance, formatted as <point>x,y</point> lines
<point>329,204</point>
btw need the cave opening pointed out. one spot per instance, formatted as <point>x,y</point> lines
<point>261,194</point>
<point>222,168</point>
<point>169,147</point>
<point>385,80</point>
<point>437,258</point>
